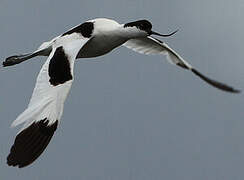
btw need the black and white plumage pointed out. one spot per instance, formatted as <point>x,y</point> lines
<point>90,39</point>
<point>46,105</point>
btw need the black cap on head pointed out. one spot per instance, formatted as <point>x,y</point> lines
<point>141,24</point>
<point>146,26</point>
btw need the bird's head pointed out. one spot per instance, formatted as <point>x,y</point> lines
<point>144,28</point>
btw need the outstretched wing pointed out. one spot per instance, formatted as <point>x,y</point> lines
<point>150,45</point>
<point>46,105</point>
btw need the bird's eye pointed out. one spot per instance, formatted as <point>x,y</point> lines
<point>142,26</point>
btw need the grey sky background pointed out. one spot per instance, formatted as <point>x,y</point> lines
<point>130,116</point>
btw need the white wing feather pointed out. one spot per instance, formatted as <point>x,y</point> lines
<point>47,100</point>
<point>46,105</point>
<point>150,45</point>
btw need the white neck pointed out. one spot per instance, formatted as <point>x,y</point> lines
<point>133,32</point>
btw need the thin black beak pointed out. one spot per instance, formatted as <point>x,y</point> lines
<point>163,35</point>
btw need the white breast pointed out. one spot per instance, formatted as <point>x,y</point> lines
<point>100,45</point>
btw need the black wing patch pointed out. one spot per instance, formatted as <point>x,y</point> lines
<point>59,68</point>
<point>214,83</point>
<point>84,29</point>
<point>30,143</point>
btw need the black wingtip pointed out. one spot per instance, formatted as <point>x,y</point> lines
<point>30,143</point>
<point>214,83</point>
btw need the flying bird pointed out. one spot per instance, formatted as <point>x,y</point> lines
<point>90,39</point>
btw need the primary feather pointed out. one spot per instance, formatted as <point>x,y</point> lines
<point>46,105</point>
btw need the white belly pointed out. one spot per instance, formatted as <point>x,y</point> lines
<point>100,45</point>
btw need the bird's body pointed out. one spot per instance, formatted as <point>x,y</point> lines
<point>106,35</point>
<point>90,39</point>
